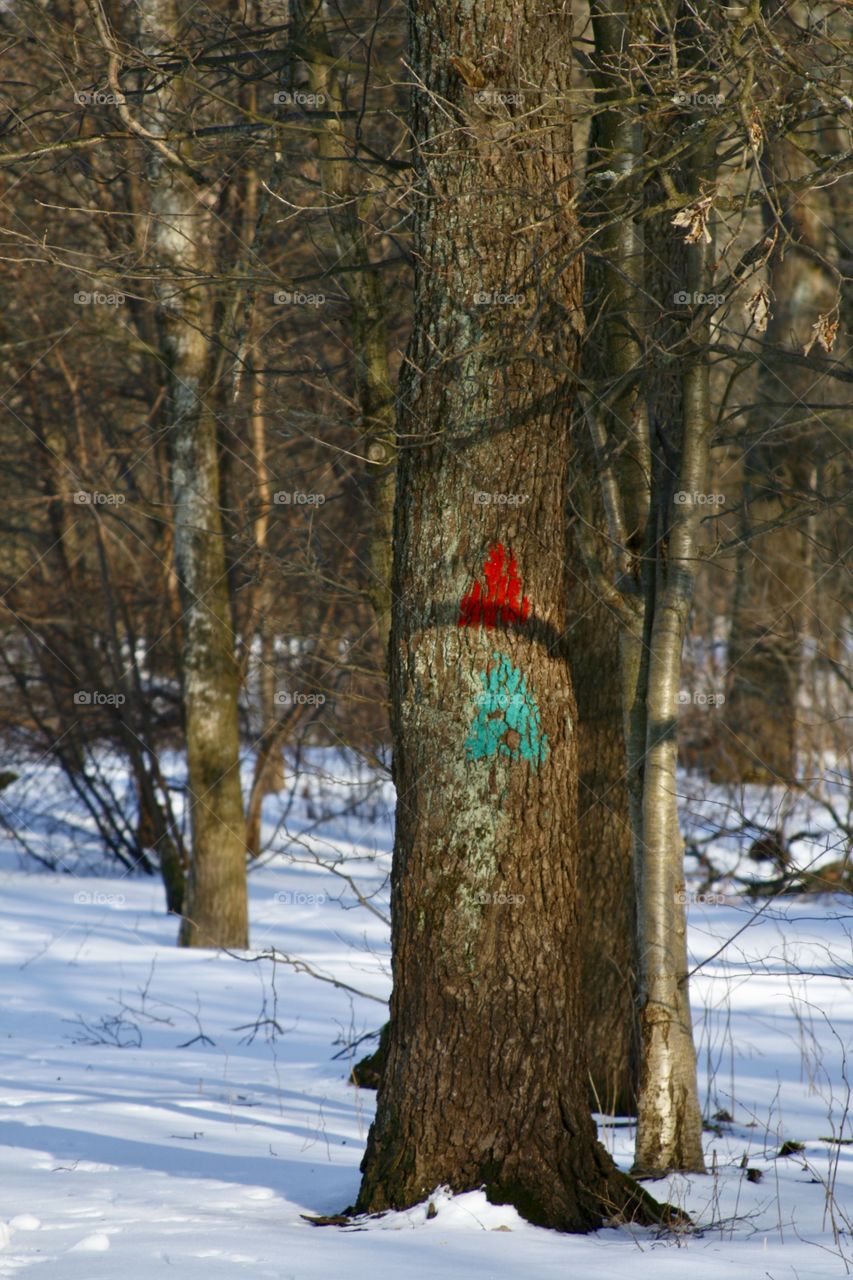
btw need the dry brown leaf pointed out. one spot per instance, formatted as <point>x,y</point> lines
<point>695,218</point>
<point>755,133</point>
<point>824,330</point>
<point>758,308</point>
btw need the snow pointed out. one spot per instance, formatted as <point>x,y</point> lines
<point>170,1112</point>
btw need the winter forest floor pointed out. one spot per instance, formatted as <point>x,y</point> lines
<point>169,1113</point>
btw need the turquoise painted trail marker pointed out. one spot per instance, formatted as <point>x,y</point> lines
<point>507,722</point>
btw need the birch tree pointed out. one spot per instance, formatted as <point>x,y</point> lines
<point>647,460</point>
<point>688,100</point>
<point>181,239</point>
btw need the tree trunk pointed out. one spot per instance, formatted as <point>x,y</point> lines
<point>650,556</point>
<point>669,1121</point>
<point>608,935</point>
<point>616,146</point>
<point>152,832</point>
<point>181,237</point>
<point>348,207</point>
<point>607,894</point>
<point>485,1080</point>
<point>772,596</point>
<point>268,774</point>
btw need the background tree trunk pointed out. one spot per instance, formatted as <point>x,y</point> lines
<point>348,204</point>
<point>608,905</point>
<point>615,274</point>
<point>772,601</point>
<point>646,447</point>
<point>669,1120</point>
<point>268,773</point>
<point>215,912</point>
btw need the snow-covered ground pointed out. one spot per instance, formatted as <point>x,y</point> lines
<point>174,1113</point>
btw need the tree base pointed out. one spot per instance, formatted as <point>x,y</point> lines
<point>607,1196</point>
<point>621,1201</point>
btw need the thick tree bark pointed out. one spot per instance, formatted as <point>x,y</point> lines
<point>215,912</point>
<point>485,1080</point>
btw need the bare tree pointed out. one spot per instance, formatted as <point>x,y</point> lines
<point>485,1079</point>
<point>215,911</point>
<point>346,179</point>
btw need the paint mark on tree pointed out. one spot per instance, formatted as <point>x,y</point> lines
<point>507,724</point>
<point>499,601</point>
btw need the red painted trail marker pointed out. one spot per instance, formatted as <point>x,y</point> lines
<point>500,602</point>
